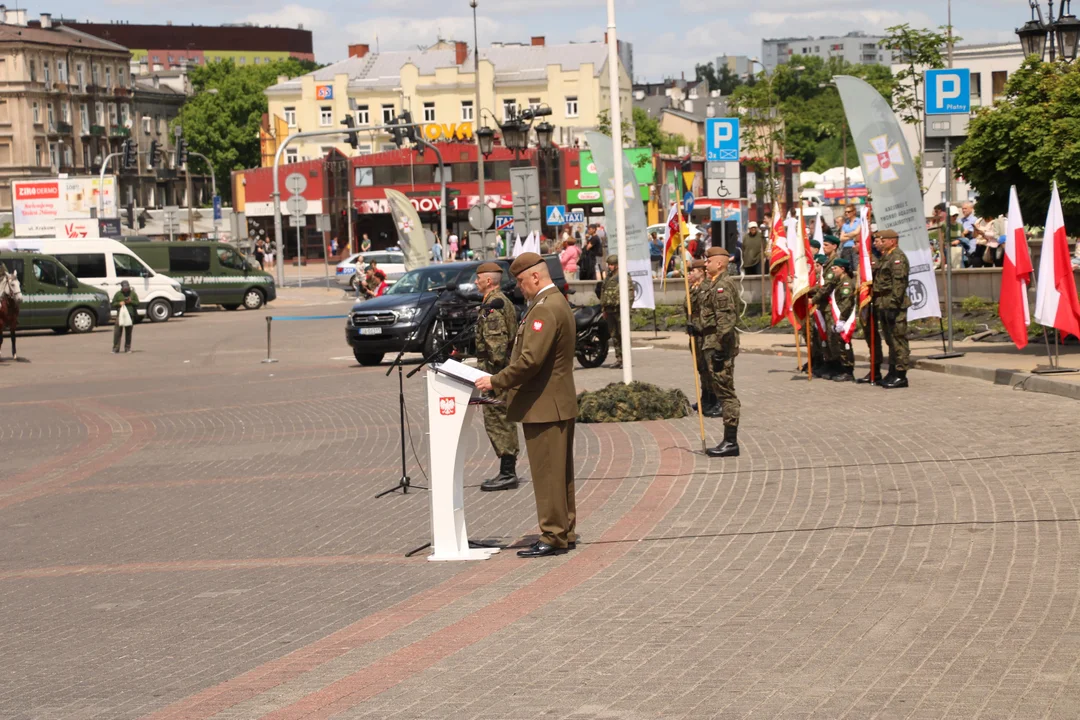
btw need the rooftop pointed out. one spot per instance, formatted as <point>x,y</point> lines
<point>240,38</point>
<point>56,35</point>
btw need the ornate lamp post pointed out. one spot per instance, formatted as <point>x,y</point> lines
<point>1063,32</point>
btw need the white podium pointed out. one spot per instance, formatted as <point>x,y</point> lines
<point>449,393</point>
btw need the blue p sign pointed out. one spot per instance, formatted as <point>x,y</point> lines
<point>948,92</point>
<point>722,139</point>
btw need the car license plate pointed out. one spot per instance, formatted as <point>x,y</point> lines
<point>371,331</point>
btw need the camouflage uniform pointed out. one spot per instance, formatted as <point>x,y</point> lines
<point>495,332</point>
<point>890,302</point>
<point>720,298</point>
<point>822,349</point>
<point>609,303</point>
<point>697,298</point>
<point>846,297</point>
<point>873,347</point>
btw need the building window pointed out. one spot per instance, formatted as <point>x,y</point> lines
<point>571,107</point>
<point>157,58</point>
<point>54,155</point>
<point>429,112</point>
<point>266,60</point>
<point>108,78</point>
<point>38,154</point>
<point>37,113</point>
<point>243,60</point>
<point>998,79</point>
<point>79,78</point>
<point>170,59</point>
<point>120,77</point>
<point>84,116</point>
<point>534,103</point>
<point>48,73</point>
<point>363,118</point>
<point>69,156</point>
<point>387,114</point>
<point>65,112</point>
<point>50,115</point>
<point>290,156</point>
<point>124,116</point>
<point>33,74</point>
<point>94,74</point>
<point>509,109</point>
<point>363,149</point>
<point>99,114</point>
<point>61,71</point>
<point>290,116</point>
<point>326,116</point>
<point>258,61</point>
<point>976,88</point>
<point>466,110</point>
<point>146,124</point>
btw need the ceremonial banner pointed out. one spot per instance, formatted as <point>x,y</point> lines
<point>638,265</point>
<point>1056,303</point>
<point>411,238</point>
<point>890,174</point>
<point>1015,277</point>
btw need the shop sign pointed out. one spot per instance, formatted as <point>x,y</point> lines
<point>582,196</point>
<point>640,159</point>
<point>435,132</point>
<point>324,92</point>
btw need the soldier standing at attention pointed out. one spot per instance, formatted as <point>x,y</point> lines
<point>694,328</point>
<point>718,318</point>
<point>540,391</point>
<point>830,364</point>
<point>845,296</point>
<point>495,329</point>
<point>873,345</point>
<point>609,302</point>
<point>891,302</point>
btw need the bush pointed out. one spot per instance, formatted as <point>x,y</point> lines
<point>975,304</point>
<point>637,401</point>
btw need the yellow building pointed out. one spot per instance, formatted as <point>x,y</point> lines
<point>438,86</point>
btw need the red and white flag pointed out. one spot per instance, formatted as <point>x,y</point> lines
<point>844,326</point>
<point>819,323</point>
<point>780,269</point>
<point>804,271</point>
<point>866,257</point>
<point>1015,277</point>
<point>1056,303</point>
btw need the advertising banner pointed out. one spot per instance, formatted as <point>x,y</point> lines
<point>60,207</point>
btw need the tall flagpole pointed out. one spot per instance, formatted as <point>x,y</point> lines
<point>620,197</point>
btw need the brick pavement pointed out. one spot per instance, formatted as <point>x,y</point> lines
<point>191,534</point>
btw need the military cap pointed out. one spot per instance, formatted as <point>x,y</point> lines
<point>523,262</point>
<point>815,244</point>
<point>820,259</point>
<point>842,263</point>
<point>714,251</point>
<point>489,267</point>
<point>697,265</point>
<point>887,234</point>
<point>832,239</point>
<point>612,259</point>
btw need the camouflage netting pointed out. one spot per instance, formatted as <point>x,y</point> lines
<point>619,402</point>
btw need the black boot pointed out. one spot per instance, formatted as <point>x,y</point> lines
<point>844,375</point>
<point>730,446</point>
<point>874,376</point>
<point>507,478</point>
<point>714,410</point>
<point>899,380</point>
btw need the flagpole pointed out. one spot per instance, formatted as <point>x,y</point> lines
<point>620,198</point>
<point>809,348</point>
<point>873,344</point>
<point>798,350</point>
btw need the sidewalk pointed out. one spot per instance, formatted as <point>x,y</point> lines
<point>999,363</point>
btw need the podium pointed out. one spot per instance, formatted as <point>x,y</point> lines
<point>449,390</point>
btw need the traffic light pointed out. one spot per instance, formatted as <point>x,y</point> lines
<point>398,132</point>
<point>130,156</point>
<point>181,151</point>
<point>351,137</point>
<point>412,134</point>
<point>131,215</point>
<point>155,153</point>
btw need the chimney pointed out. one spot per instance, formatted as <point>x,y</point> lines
<point>46,21</point>
<point>359,50</point>
<point>157,82</point>
<point>538,41</point>
<point>20,17</point>
<point>605,37</point>
<point>461,52</point>
<point>3,14</point>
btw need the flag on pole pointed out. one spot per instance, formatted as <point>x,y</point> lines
<point>866,258</point>
<point>411,238</point>
<point>519,246</point>
<point>1056,304</point>
<point>844,326</point>
<point>804,273</point>
<point>819,323</point>
<point>1013,309</point>
<point>672,236</point>
<point>780,269</point>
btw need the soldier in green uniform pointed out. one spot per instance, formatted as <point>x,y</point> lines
<point>609,302</point>
<point>495,330</point>
<point>719,315</point>
<point>845,295</point>
<point>709,406</point>
<point>825,358</point>
<point>891,302</point>
<point>873,344</point>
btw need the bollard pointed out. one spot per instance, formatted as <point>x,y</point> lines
<point>269,320</point>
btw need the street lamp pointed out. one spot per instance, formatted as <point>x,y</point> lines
<point>1064,32</point>
<point>485,137</point>
<point>515,131</point>
<point>545,132</point>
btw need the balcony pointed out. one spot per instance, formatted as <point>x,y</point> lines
<point>122,92</point>
<point>93,89</point>
<point>97,130</point>
<point>118,131</point>
<point>64,128</point>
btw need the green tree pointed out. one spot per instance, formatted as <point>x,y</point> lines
<point>222,117</point>
<point>649,134</point>
<point>707,72</point>
<point>918,50</point>
<point>1027,139</point>
<point>603,124</point>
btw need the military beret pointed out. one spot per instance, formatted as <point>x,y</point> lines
<point>820,259</point>
<point>523,262</point>
<point>714,251</point>
<point>489,267</point>
<point>832,239</point>
<point>815,244</point>
<point>612,259</point>
<point>842,263</point>
<point>887,234</point>
<point>697,265</point>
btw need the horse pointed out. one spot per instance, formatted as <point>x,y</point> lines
<point>10,304</point>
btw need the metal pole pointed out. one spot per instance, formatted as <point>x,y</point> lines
<point>213,186</point>
<point>190,200</point>
<point>476,124</point>
<point>845,162</point>
<point>620,208</point>
<point>101,184</point>
<point>299,255</point>
<point>349,178</point>
<point>947,250</point>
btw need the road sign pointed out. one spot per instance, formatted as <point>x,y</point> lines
<point>948,92</point>
<point>296,183</point>
<point>481,217</point>
<point>297,220</point>
<point>217,207</point>
<point>322,223</point>
<point>722,139</point>
<point>556,214</point>
<point>688,203</point>
<point>575,217</point>
<point>525,188</point>
<point>296,205</point>
<point>504,222</point>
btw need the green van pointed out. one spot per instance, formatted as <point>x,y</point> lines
<point>54,298</point>
<point>217,271</point>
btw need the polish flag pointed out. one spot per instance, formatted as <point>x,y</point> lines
<point>819,323</point>
<point>804,272</point>
<point>819,236</point>
<point>844,326</point>
<point>1015,277</point>
<point>1056,304</point>
<point>780,269</point>
<point>866,257</point>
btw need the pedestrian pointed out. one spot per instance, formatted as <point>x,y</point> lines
<point>333,247</point>
<point>970,236</point>
<point>260,253</point>
<point>694,328</point>
<point>891,302</point>
<point>843,297</point>
<point>365,244</point>
<point>753,248</point>
<point>851,229</point>
<point>495,329</point>
<point>541,396</point>
<point>719,314</point>
<point>609,304</point>
<point>437,251</point>
<point>822,351</point>
<point>569,258</point>
<point>126,304</point>
<point>594,249</point>
<point>656,253</point>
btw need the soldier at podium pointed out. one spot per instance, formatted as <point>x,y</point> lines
<point>539,382</point>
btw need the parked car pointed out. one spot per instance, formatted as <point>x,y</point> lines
<point>54,298</point>
<point>350,271</point>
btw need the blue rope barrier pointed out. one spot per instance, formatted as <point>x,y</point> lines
<point>307,317</point>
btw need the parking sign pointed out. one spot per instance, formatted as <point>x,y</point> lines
<point>948,92</point>
<point>722,139</point>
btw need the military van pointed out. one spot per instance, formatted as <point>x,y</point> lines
<point>216,270</point>
<point>53,298</point>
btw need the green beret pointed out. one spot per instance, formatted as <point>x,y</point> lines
<point>842,263</point>
<point>815,244</point>
<point>612,259</point>
<point>820,259</point>
<point>489,267</point>
<point>832,239</point>
<point>523,262</point>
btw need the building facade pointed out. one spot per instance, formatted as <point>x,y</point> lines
<point>438,86</point>
<point>857,48</point>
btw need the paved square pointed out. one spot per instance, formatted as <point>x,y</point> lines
<point>189,533</point>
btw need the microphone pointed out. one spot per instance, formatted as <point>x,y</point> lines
<point>496,304</point>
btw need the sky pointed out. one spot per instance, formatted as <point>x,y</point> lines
<point>666,43</point>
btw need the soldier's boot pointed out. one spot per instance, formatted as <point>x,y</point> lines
<point>820,369</point>
<point>899,380</point>
<point>729,447</point>
<point>507,478</point>
<point>844,375</point>
<point>874,376</point>
<point>889,376</point>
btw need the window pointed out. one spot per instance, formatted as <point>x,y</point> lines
<point>326,116</point>
<point>48,73</point>
<point>571,106</point>
<point>69,156</point>
<point>128,266</point>
<point>243,60</point>
<point>125,118</point>
<point>170,59</point>
<point>229,258</point>
<point>84,116</point>
<point>38,154</point>
<point>157,58</point>
<point>290,116</point>
<point>33,71</point>
<point>266,60</point>
<point>509,109</point>
<point>50,115</point>
<point>85,265</point>
<point>998,79</point>
<point>189,259</point>
<point>54,155</point>
<point>108,78</point>
<point>48,273</point>
<point>146,124</point>
<point>36,109</point>
<point>120,77</point>
<point>466,110</point>
<point>94,74</point>
<point>534,103</point>
<point>387,115</point>
<point>258,61</point>
<point>290,156</point>
<point>112,114</point>
<point>429,112</point>
<point>99,113</point>
<point>976,88</point>
<point>65,112</point>
<point>365,176</point>
<point>363,118</point>
<point>16,266</point>
<point>79,75</point>
<point>363,149</point>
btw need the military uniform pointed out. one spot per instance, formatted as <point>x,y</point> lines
<point>721,344</point>
<point>822,351</point>
<point>495,329</point>
<point>873,339</point>
<point>890,303</point>
<point>694,328</point>
<point>845,295</point>
<point>539,382</point>
<point>609,303</point>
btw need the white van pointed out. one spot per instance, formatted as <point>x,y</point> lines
<point>105,264</point>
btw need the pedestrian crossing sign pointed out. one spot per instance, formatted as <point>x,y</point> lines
<point>556,214</point>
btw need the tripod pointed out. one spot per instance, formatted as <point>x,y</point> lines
<point>405,482</point>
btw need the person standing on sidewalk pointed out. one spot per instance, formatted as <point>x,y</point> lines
<point>719,316</point>
<point>891,302</point>
<point>125,302</point>
<point>609,303</point>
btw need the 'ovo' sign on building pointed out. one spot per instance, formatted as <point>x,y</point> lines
<point>454,131</point>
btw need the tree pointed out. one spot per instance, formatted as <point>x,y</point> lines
<point>719,78</point>
<point>649,134</point>
<point>603,125</point>
<point>918,50</point>
<point>221,119</point>
<point>1027,139</point>
<point>707,72</point>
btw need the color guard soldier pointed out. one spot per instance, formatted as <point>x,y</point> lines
<point>845,295</point>
<point>719,314</point>
<point>609,303</point>
<point>891,302</point>
<point>698,285</point>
